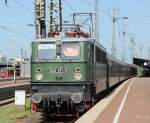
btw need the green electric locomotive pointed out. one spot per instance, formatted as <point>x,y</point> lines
<point>63,73</point>
<point>69,74</point>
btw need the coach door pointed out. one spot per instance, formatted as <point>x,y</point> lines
<point>91,61</point>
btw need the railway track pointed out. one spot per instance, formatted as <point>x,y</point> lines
<point>7,93</point>
<point>41,119</point>
<point>60,120</point>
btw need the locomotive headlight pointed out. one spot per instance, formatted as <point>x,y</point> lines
<point>39,76</point>
<point>78,76</point>
<point>78,70</point>
<point>36,98</point>
<point>39,69</point>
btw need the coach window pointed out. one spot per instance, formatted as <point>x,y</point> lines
<point>103,55</point>
<point>46,51</point>
<point>98,55</point>
<point>91,52</point>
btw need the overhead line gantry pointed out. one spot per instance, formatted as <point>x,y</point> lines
<point>55,17</point>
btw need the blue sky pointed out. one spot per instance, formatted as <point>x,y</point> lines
<point>15,32</point>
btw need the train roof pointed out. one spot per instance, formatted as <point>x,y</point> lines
<point>120,62</point>
<point>67,39</point>
<point>70,39</point>
<point>114,59</point>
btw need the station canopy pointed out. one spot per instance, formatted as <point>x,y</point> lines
<point>141,62</point>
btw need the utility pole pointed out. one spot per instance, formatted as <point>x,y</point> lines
<point>21,51</point>
<point>141,51</point>
<point>132,48</point>
<point>96,21</point>
<point>55,16</point>
<point>14,65</point>
<point>114,20</point>
<point>124,46</point>
<point>40,11</point>
<point>113,50</point>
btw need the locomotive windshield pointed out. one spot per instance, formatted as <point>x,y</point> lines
<point>70,51</point>
<point>46,51</point>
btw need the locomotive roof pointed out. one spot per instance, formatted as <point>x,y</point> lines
<point>70,39</point>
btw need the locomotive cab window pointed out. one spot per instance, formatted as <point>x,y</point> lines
<point>70,51</point>
<point>46,51</point>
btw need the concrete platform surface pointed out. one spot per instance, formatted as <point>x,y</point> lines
<point>130,103</point>
<point>11,83</point>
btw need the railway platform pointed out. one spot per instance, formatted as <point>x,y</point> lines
<point>129,103</point>
<point>10,83</point>
<point>8,87</point>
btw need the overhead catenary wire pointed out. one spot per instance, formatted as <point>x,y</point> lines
<point>13,31</point>
<point>22,5</point>
<point>2,5</point>
<point>71,8</point>
<point>18,17</point>
<point>101,10</point>
<point>74,10</point>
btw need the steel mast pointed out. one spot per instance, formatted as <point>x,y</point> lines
<point>40,18</point>
<point>54,19</point>
<point>55,16</point>
<point>96,21</point>
<point>113,50</point>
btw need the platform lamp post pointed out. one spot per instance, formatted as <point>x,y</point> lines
<point>7,64</point>
<point>114,19</point>
<point>14,65</point>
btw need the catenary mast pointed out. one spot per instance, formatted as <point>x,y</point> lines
<point>96,21</point>
<point>55,16</point>
<point>40,17</point>
<point>54,19</point>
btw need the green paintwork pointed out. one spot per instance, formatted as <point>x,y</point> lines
<point>67,76</point>
<point>70,65</point>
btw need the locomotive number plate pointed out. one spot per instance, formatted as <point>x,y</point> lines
<point>57,70</point>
